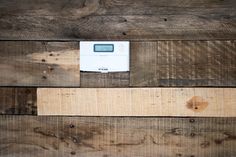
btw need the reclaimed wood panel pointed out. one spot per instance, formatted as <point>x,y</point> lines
<point>113,20</point>
<point>93,79</point>
<point>183,63</point>
<point>18,101</point>
<point>114,137</point>
<point>39,63</point>
<point>153,63</point>
<point>206,102</point>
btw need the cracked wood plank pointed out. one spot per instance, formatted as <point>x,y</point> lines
<point>206,102</point>
<point>115,137</point>
<point>39,63</point>
<point>113,20</point>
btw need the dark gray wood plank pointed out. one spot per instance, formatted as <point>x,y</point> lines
<point>122,19</point>
<point>92,79</point>
<point>183,63</point>
<point>106,7</point>
<point>18,101</point>
<point>114,137</point>
<point>25,63</point>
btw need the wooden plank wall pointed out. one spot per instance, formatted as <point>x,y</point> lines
<point>175,43</point>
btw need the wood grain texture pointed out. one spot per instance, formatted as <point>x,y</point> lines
<point>117,19</point>
<point>207,102</point>
<point>18,101</point>
<point>26,63</point>
<point>114,137</point>
<point>92,79</point>
<point>183,63</point>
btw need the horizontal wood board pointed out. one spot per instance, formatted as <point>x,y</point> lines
<point>153,64</point>
<point>183,63</point>
<point>206,102</point>
<point>32,63</point>
<point>114,137</point>
<point>18,101</point>
<point>119,20</point>
<point>102,80</point>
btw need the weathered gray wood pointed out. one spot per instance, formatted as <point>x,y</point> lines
<point>26,63</point>
<point>153,63</point>
<point>114,137</point>
<point>122,19</point>
<point>183,63</point>
<point>90,79</point>
<point>18,101</point>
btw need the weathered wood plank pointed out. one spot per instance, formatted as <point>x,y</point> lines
<point>91,79</point>
<point>18,101</point>
<point>183,63</point>
<point>26,63</point>
<point>114,137</point>
<point>207,102</point>
<point>153,63</point>
<point>112,19</point>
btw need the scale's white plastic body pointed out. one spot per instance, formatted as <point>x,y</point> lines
<point>104,56</point>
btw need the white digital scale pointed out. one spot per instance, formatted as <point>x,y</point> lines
<point>104,56</point>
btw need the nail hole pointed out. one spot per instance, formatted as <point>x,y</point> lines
<point>72,125</point>
<point>191,120</point>
<point>73,153</point>
<point>124,33</point>
<point>43,60</point>
<point>44,77</point>
<point>50,68</point>
<point>75,140</point>
<point>165,19</point>
<point>50,54</point>
<point>192,134</point>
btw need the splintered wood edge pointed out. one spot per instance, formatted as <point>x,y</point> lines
<point>196,102</point>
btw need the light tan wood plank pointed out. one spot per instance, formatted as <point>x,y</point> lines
<point>207,102</point>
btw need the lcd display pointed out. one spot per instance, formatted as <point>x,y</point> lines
<point>103,47</point>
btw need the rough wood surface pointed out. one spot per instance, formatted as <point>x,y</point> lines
<point>183,63</point>
<point>117,19</point>
<point>26,63</point>
<point>115,137</point>
<point>207,102</point>
<point>153,63</point>
<point>91,79</point>
<point>18,101</point>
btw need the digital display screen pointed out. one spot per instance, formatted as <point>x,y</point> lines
<point>103,48</point>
